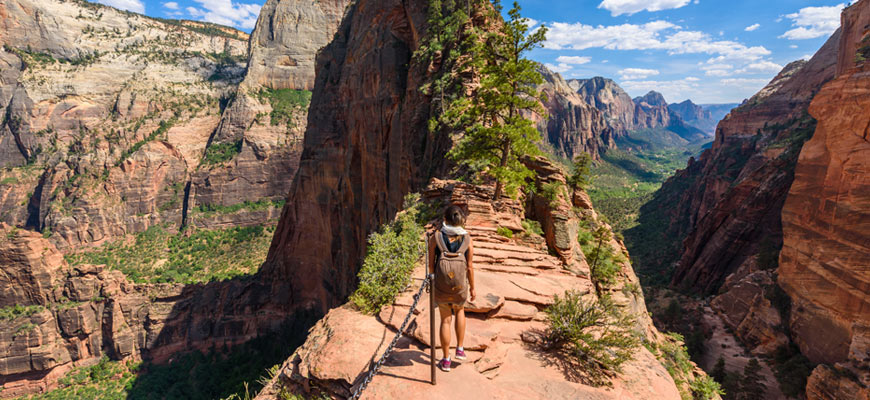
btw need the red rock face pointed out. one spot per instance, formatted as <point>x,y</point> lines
<point>730,200</point>
<point>826,219</point>
<point>365,148</point>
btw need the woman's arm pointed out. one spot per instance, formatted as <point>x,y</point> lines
<point>470,258</point>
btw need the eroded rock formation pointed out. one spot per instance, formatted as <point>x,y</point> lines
<point>826,223</point>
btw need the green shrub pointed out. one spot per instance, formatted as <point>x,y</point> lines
<point>532,227</point>
<point>390,258</point>
<point>201,256</point>
<point>581,174</point>
<point>506,232</point>
<point>17,311</point>
<point>221,152</point>
<point>705,388</point>
<point>593,334</point>
<point>285,103</point>
<point>791,369</point>
<point>551,192</point>
<point>675,356</point>
<point>604,261</point>
<point>210,209</point>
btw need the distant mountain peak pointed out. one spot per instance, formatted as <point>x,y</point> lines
<point>653,98</point>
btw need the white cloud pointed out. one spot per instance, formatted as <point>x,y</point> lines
<point>655,35</point>
<point>226,12</point>
<point>807,57</point>
<point>619,7</point>
<point>814,22</point>
<point>794,46</point>
<point>531,23</point>
<point>752,27</point>
<point>760,67</point>
<point>745,82</point>
<point>573,60</point>
<point>561,68</point>
<point>171,5</point>
<point>630,74</point>
<point>691,79</point>
<point>129,5</point>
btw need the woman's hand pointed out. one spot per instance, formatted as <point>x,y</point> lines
<point>473,295</point>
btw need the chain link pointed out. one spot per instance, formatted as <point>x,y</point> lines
<point>377,365</point>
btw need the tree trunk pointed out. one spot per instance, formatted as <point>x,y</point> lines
<point>505,152</point>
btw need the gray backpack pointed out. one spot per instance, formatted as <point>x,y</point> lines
<point>451,285</point>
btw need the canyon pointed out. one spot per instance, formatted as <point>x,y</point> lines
<point>769,222</point>
<point>315,125</point>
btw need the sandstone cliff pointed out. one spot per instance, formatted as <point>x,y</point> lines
<point>826,220</point>
<point>114,122</point>
<point>648,115</point>
<point>365,148</point>
<point>695,115</point>
<point>573,126</point>
<point>728,202</point>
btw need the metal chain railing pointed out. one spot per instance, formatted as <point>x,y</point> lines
<point>377,366</point>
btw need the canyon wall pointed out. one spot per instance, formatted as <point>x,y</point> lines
<point>825,258</point>
<point>728,202</point>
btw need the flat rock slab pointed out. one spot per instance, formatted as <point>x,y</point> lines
<point>485,302</point>
<point>516,311</point>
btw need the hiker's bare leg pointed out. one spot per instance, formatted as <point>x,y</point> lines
<point>460,327</point>
<point>446,318</point>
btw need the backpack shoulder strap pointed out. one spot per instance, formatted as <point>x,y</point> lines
<point>466,241</point>
<point>439,241</point>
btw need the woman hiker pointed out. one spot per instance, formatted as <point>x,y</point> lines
<point>450,254</point>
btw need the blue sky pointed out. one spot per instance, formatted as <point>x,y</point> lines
<point>710,51</point>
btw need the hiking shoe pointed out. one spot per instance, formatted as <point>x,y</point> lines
<point>460,354</point>
<point>444,365</point>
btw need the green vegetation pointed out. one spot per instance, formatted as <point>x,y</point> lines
<point>551,192</point>
<point>506,232</point>
<point>581,173</point>
<point>219,374</point>
<point>791,369</point>
<point>751,386</point>
<point>202,256</point>
<point>497,134</point>
<point>532,227</point>
<point>605,262</point>
<point>9,181</point>
<point>390,258</point>
<point>212,209</point>
<point>205,28</point>
<point>17,311</point>
<point>594,335</point>
<point>161,130</point>
<point>705,388</point>
<point>285,103</point>
<point>863,52</point>
<point>624,181</point>
<point>218,153</point>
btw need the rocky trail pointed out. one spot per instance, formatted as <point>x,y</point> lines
<point>516,280</point>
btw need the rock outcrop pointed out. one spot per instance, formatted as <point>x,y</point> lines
<point>573,126</point>
<point>516,279</point>
<point>365,148</point>
<point>826,223</point>
<point>648,114</point>
<point>115,122</point>
<point>695,115</point>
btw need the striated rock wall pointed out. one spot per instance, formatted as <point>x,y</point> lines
<point>573,126</point>
<point>826,218</point>
<point>365,148</point>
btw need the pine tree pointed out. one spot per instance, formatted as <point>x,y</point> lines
<point>499,135</point>
<point>580,172</point>
<point>719,372</point>
<point>751,386</point>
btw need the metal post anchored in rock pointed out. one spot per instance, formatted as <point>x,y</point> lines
<point>431,322</point>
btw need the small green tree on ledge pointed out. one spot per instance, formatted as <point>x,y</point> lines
<point>500,135</point>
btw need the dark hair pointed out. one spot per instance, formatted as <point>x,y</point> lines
<point>454,216</point>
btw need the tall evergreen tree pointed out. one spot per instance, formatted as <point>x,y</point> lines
<point>719,372</point>
<point>752,387</point>
<point>499,135</point>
